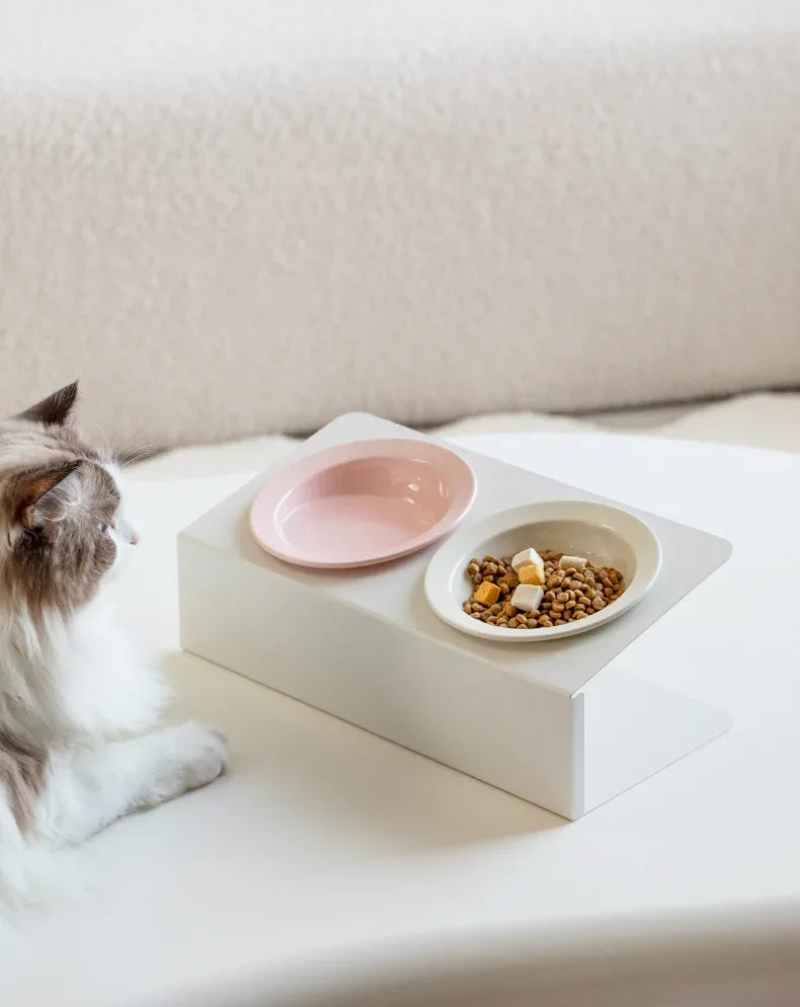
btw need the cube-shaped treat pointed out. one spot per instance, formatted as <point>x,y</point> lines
<point>566,562</point>
<point>527,598</point>
<point>487,593</point>
<point>531,558</point>
<point>530,575</point>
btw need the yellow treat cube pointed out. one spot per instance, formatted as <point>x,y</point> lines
<point>532,574</point>
<point>487,593</point>
<point>529,557</point>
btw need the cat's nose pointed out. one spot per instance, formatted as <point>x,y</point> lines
<point>127,533</point>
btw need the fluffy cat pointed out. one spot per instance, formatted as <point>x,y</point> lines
<point>79,706</point>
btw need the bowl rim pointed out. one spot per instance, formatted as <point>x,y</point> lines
<point>447,563</point>
<point>279,485</point>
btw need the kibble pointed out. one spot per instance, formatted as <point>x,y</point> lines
<point>574,589</point>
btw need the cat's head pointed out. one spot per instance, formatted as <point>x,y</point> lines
<point>61,523</point>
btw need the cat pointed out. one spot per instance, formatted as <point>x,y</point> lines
<point>79,706</point>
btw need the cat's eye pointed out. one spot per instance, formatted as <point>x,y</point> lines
<point>102,527</point>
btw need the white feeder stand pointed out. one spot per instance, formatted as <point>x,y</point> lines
<point>566,725</point>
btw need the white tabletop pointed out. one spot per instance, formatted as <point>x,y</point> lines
<point>324,840</point>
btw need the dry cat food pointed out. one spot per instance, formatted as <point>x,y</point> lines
<point>532,590</point>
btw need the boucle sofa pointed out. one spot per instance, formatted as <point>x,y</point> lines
<point>249,217</point>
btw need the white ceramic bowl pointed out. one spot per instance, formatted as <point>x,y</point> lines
<point>608,536</point>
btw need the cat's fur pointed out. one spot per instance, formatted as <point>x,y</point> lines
<point>79,705</point>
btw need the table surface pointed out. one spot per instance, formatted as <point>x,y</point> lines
<point>327,841</point>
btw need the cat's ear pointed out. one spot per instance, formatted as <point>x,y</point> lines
<point>55,410</point>
<point>37,495</point>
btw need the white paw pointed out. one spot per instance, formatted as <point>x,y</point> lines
<point>200,754</point>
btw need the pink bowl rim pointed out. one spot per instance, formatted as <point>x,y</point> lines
<point>276,487</point>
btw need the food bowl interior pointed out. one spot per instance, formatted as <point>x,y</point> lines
<point>363,506</point>
<point>602,533</point>
<point>598,543</point>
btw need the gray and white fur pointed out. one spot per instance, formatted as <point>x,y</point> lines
<point>79,705</point>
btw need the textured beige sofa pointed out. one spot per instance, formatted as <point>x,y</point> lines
<point>230,218</point>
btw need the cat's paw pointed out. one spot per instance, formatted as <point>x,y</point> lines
<point>201,754</point>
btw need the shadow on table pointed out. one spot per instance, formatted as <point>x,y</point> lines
<point>333,787</point>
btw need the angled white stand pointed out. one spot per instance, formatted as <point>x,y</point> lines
<point>652,728</point>
<point>557,724</point>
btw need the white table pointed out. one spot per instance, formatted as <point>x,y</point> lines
<point>330,858</point>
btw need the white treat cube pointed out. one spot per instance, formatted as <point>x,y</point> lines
<point>560,723</point>
<point>527,557</point>
<point>527,597</point>
<point>566,562</point>
<point>532,559</point>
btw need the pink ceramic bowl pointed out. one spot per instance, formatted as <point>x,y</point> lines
<point>362,503</point>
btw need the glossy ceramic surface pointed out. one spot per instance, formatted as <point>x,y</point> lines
<point>362,503</point>
<point>600,532</point>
